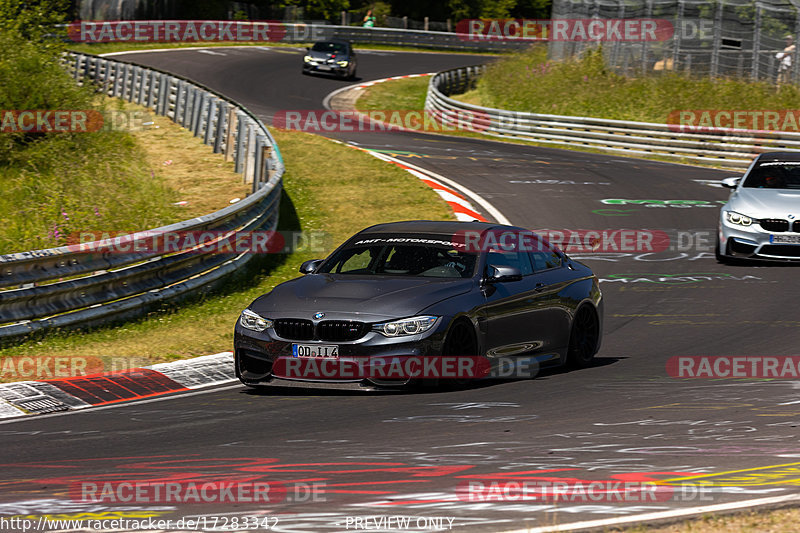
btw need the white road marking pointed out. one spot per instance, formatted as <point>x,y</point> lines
<point>660,515</point>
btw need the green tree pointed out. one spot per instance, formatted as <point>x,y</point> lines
<point>34,20</point>
<point>327,9</point>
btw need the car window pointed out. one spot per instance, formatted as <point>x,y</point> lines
<point>518,260</point>
<point>338,48</point>
<point>774,175</point>
<point>357,261</point>
<point>545,259</point>
<point>383,259</point>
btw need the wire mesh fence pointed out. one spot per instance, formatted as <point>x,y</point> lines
<point>741,38</point>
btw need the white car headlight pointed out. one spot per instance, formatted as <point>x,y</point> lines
<point>405,326</point>
<point>342,63</point>
<point>307,58</point>
<point>250,320</point>
<point>737,218</point>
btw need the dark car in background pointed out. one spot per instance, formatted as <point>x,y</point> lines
<point>424,289</point>
<point>331,57</point>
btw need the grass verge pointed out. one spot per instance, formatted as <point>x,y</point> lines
<point>527,82</point>
<point>151,174</point>
<point>768,521</point>
<point>330,188</point>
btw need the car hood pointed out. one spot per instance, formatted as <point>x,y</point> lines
<point>357,297</point>
<point>765,203</point>
<point>327,55</point>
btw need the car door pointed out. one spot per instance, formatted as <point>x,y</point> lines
<point>518,315</point>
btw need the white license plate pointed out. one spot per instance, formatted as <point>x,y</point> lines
<point>786,239</point>
<point>315,350</point>
<point>324,67</point>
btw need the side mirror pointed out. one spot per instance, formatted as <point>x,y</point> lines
<point>730,183</point>
<point>499,274</point>
<point>308,267</point>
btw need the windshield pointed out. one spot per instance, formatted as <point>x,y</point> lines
<point>338,48</point>
<point>775,175</point>
<point>402,256</point>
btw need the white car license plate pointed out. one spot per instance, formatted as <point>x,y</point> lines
<point>786,239</point>
<point>324,67</point>
<point>315,350</point>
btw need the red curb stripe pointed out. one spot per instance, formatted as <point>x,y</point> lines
<point>461,209</point>
<point>132,384</point>
<point>439,187</point>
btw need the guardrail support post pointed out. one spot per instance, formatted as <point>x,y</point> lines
<point>197,112</point>
<point>163,95</point>
<point>258,168</point>
<point>219,133</point>
<point>241,140</point>
<point>180,106</point>
<point>230,133</point>
<point>250,153</point>
<point>211,113</point>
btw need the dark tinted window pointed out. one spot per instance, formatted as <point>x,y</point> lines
<point>774,175</point>
<point>518,260</point>
<point>338,48</point>
<point>420,256</point>
<point>545,258</point>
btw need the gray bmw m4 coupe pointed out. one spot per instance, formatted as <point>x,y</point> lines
<point>762,217</point>
<point>428,301</point>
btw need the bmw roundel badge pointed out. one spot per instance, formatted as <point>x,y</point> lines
<point>317,316</point>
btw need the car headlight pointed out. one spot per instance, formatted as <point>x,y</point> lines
<point>405,326</point>
<point>342,63</point>
<point>307,59</point>
<point>737,218</point>
<point>250,320</point>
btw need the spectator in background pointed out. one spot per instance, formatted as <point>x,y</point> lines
<point>369,20</point>
<point>785,65</point>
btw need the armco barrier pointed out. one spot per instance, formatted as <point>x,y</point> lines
<point>65,288</point>
<point>726,148</point>
<point>297,33</point>
<point>288,32</point>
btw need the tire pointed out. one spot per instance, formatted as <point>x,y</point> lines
<point>718,252</point>
<point>460,341</point>
<point>584,338</point>
<point>722,259</point>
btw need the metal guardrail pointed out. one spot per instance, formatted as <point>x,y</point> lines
<point>289,32</point>
<point>729,148</point>
<point>67,288</point>
<point>399,37</point>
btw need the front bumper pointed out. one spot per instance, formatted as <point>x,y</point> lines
<point>325,68</point>
<point>255,354</point>
<point>754,242</point>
